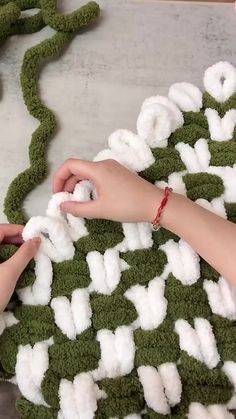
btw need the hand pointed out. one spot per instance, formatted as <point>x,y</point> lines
<point>11,270</point>
<point>121,195</point>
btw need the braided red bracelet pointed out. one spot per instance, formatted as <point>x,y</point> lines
<point>156,221</point>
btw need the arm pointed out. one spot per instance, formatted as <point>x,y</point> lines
<point>211,236</point>
<point>11,270</point>
<point>126,197</point>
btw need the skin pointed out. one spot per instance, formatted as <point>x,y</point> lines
<point>124,196</point>
<point>11,270</point>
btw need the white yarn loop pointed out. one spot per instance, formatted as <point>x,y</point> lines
<point>117,353</point>
<point>53,209</point>
<point>137,236</point>
<point>133,150</point>
<point>216,411</point>
<point>149,302</point>
<point>105,270</point>
<point>62,230</point>
<point>197,158</point>
<point>176,115</point>
<point>186,96</point>
<point>76,226</point>
<point>154,124</point>
<point>220,80</point>
<point>228,176</point>
<point>78,399</point>
<point>221,129</point>
<point>31,365</point>
<point>128,149</point>
<point>40,291</point>
<point>84,191</point>
<point>73,317</point>
<point>231,405</point>
<point>222,298</point>
<point>58,247</point>
<point>198,342</point>
<point>183,261</point>
<point>175,181</point>
<point>171,382</point>
<point>162,387</point>
<point>229,369</point>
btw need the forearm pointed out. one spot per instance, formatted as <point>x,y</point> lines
<point>123,196</point>
<point>6,291</point>
<point>211,236</point>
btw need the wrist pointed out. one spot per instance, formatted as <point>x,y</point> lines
<point>168,214</point>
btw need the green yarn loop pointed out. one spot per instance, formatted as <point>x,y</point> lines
<point>28,410</point>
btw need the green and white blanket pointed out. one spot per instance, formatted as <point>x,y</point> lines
<point>115,320</point>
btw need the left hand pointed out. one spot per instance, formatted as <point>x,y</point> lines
<point>11,270</point>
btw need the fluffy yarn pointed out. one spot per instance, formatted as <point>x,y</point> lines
<point>114,320</point>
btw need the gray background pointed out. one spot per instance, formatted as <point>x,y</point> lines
<point>139,48</point>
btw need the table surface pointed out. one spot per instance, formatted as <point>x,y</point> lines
<point>138,49</point>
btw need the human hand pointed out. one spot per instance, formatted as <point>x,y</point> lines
<point>121,195</point>
<point>11,270</point>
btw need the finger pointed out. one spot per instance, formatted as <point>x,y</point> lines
<point>18,262</point>
<point>82,169</point>
<point>82,209</point>
<point>13,240</point>
<point>7,286</point>
<point>70,184</point>
<point>10,230</point>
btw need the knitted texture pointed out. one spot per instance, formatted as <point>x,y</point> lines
<point>114,320</point>
<point>66,27</point>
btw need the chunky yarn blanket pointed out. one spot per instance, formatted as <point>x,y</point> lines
<point>115,320</point>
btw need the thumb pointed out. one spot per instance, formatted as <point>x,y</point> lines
<point>88,209</point>
<point>18,262</point>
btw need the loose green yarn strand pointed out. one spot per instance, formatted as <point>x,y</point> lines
<point>71,22</point>
<point>33,59</point>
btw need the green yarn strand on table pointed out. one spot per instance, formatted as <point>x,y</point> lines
<point>114,320</point>
<point>73,21</point>
<point>33,60</point>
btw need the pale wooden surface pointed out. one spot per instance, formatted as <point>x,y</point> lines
<point>138,50</point>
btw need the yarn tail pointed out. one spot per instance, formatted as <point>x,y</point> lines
<point>26,181</point>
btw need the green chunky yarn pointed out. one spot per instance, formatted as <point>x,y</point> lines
<point>68,359</point>
<point>66,27</point>
<point>12,24</point>
<point>71,22</point>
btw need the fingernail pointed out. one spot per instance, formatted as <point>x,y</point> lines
<point>36,240</point>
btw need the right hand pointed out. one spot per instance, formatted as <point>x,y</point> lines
<point>121,195</point>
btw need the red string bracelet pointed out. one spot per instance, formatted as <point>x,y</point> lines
<point>156,221</point>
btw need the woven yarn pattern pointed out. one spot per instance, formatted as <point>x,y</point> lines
<point>115,320</point>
